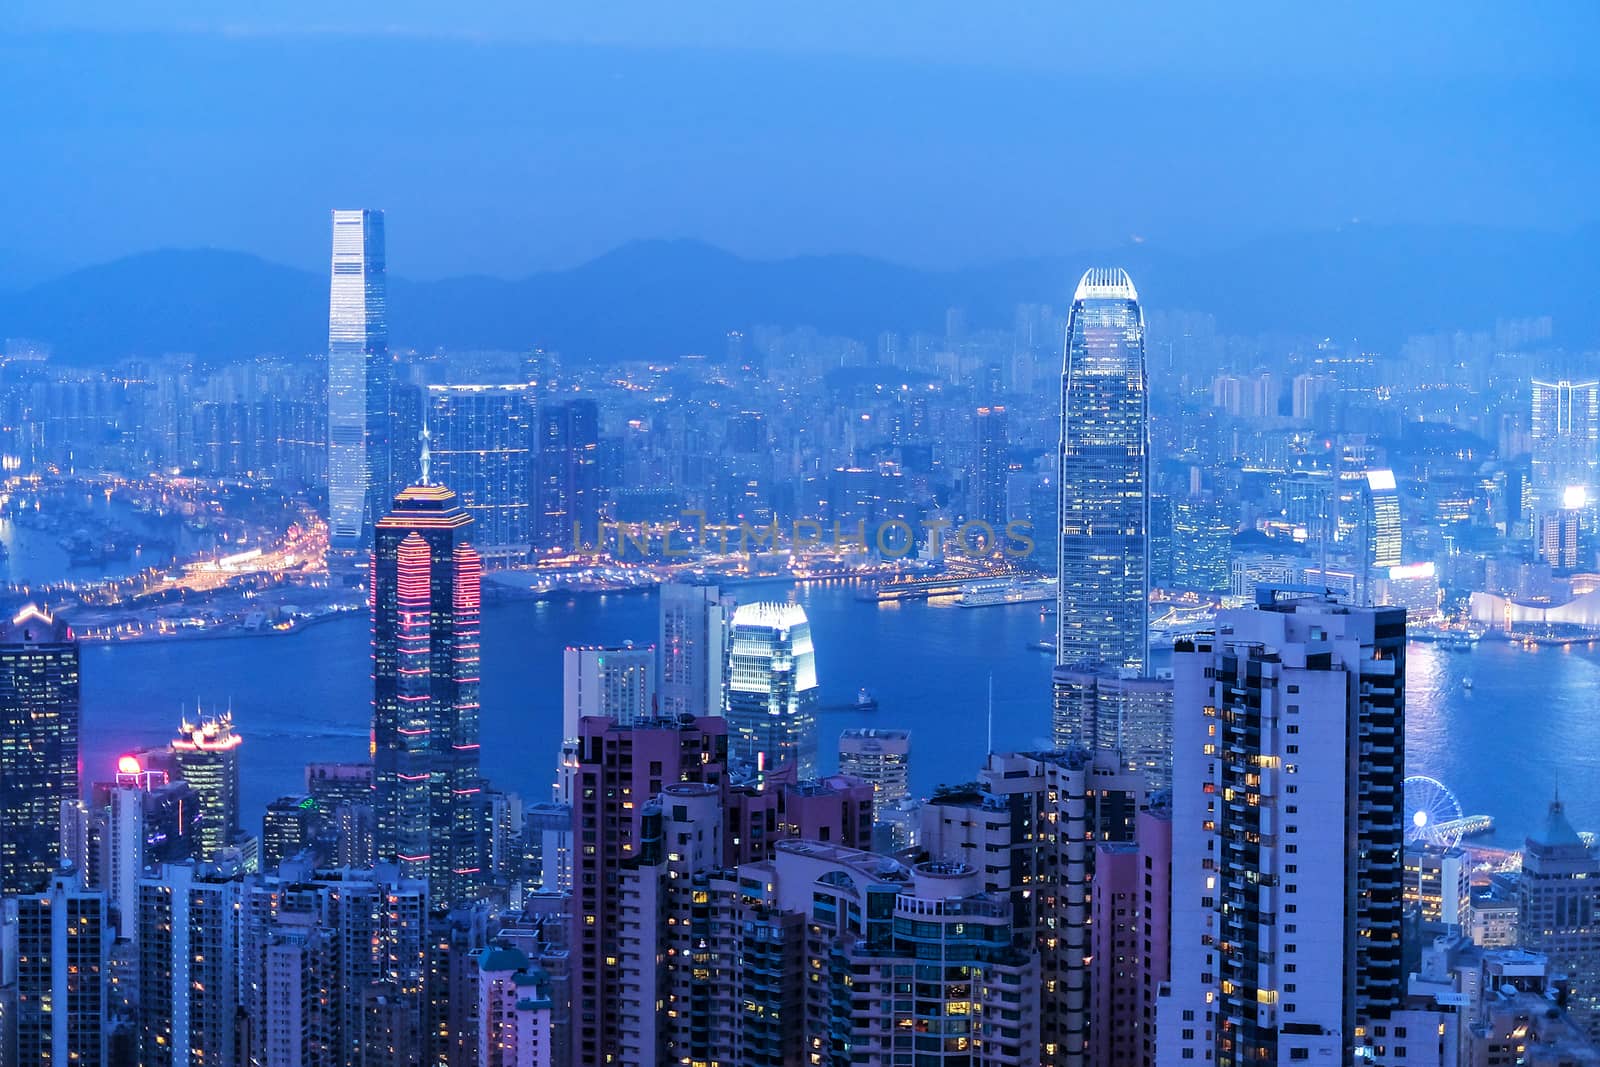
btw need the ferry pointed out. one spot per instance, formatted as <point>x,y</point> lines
<point>1019,589</point>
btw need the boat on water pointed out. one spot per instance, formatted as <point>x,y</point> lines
<point>1466,683</point>
<point>1015,589</point>
<point>865,700</point>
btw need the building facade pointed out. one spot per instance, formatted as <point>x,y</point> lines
<point>425,609</point>
<point>38,745</point>
<point>1287,867</point>
<point>693,649</point>
<point>481,446</point>
<point>1103,558</point>
<point>772,689</point>
<point>360,380</point>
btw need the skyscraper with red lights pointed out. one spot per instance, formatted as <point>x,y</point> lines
<point>425,603</point>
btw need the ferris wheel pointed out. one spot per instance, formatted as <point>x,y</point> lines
<point>1433,814</point>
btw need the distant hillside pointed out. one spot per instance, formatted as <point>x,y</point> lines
<point>662,298</point>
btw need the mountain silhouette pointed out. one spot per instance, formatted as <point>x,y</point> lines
<point>656,299</point>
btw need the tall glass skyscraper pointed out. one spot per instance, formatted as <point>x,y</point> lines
<point>1103,545</point>
<point>360,380</point>
<point>38,744</point>
<point>480,445</point>
<point>772,689</point>
<point>425,605</point>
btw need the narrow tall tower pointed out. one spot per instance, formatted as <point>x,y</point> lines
<point>360,380</point>
<point>1102,553</point>
<point>425,603</point>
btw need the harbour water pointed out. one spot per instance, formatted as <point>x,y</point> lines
<point>1529,723</point>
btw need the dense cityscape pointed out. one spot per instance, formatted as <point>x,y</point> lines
<point>1227,563</point>
<point>879,638</point>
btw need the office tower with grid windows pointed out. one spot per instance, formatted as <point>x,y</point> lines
<point>360,380</point>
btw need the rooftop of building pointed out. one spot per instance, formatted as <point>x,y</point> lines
<point>34,625</point>
<point>1105,283</point>
<point>770,614</point>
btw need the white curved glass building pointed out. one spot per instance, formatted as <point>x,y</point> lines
<point>1102,551</point>
<point>772,689</point>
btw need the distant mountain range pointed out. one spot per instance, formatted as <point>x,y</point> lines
<point>664,298</point>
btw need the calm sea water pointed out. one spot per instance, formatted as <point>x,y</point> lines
<point>1530,722</point>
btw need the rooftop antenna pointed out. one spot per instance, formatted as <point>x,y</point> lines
<point>427,454</point>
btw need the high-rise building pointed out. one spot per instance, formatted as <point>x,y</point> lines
<point>615,682</point>
<point>333,966</point>
<point>39,754</point>
<point>1381,532</point>
<point>481,446</point>
<point>990,465</point>
<point>1130,912</point>
<point>772,689</point>
<point>567,498</point>
<point>515,1017</point>
<point>620,769</point>
<point>1127,716</point>
<point>1036,819</point>
<point>63,974</point>
<point>360,380</point>
<point>881,758</point>
<point>206,755</point>
<point>291,825</point>
<point>1201,542</point>
<point>693,652</point>
<point>1102,622</point>
<point>1565,431</point>
<point>188,926</point>
<point>1558,899</point>
<point>425,605</point>
<point>814,948</point>
<point>1287,875</point>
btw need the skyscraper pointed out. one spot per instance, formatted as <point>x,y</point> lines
<point>620,769</point>
<point>1287,876</point>
<point>617,682</point>
<point>425,604</point>
<point>694,625</point>
<point>881,758</point>
<point>990,465</point>
<point>481,446</point>
<point>772,689</point>
<point>567,499</point>
<point>1102,621</point>
<point>1558,904</point>
<point>360,380</point>
<point>63,976</point>
<point>1565,429</point>
<point>206,755</point>
<point>38,744</point>
<point>188,923</point>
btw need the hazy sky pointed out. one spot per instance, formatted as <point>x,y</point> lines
<point>516,135</point>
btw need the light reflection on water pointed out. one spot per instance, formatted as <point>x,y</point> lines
<point>1530,723</point>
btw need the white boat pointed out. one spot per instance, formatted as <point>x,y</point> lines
<point>1466,683</point>
<point>1019,589</point>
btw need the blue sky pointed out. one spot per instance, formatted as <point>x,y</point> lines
<point>504,136</point>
